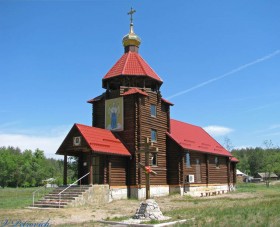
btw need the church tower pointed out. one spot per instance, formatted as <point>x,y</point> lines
<point>133,108</point>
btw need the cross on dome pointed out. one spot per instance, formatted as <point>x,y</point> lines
<point>131,41</point>
<point>131,12</point>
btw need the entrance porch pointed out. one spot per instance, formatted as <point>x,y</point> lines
<point>95,165</point>
<point>100,153</point>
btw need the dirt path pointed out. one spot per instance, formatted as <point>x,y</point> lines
<point>114,209</point>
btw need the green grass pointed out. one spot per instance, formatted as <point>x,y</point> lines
<point>122,218</point>
<point>13,198</point>
<point>261,209</point>
<point>251,205</point>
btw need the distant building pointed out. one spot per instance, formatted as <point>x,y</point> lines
<point>265,176</point>
<point>240,177</point>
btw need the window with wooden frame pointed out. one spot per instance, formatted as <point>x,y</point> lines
<point>153,135</point>
<point>217,162</point>
<point>153,110</point>
<point>188,160</point>
<point>154,159</point>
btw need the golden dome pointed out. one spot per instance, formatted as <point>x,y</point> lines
<point>131,39</point>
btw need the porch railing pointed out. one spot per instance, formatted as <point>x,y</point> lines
<point>59,194</point>
<point>42,187</point>
<point>37,191</point>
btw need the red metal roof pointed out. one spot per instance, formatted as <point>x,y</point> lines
<point>102,140</point>
<point>191,137</point>
<point>132,64</point>
<point>234,159</point>
<point>135,91</point>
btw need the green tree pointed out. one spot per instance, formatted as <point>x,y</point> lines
<point>8,165</point>
<point>27,168</point>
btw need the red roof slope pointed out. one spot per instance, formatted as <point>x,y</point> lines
<point>166,101</point>
<point>132,91</point>
<point>191,137</point>
<point>132,63</point>
<point>102,140</point>
<point>234,159</point>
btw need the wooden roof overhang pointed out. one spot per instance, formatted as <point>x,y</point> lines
<point>96,99</point>
<point>92,140</point>
<point>167,102</point>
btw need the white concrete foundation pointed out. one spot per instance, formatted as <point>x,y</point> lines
<point>155,191</point>
<point>164,190</point>
<point>118,193</point>
<point>139,193</point>
<point>201,191</point>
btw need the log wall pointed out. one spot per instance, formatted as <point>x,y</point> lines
<point>118,175</point>
<point>98,114</point>
<point>233,173</point>
<point>218,175</point>
<point>208,174</point>
<point>174,163</point>
<point>160,124</point>
<point>199,176</point>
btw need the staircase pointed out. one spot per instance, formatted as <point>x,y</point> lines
<point>67,197</point>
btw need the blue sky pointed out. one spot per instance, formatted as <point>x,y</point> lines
<point>219,60</point>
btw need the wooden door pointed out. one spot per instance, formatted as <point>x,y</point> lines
<point>197,170</point>
<point>95,169</point>
<point>83,168</point>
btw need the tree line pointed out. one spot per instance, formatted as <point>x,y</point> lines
<point>256,160</point>
<point>29,168</point>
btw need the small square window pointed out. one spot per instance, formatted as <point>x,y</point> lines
<point>153,110</point>
<point>153,135</point>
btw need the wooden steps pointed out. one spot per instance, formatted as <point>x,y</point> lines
<point>51,200</point>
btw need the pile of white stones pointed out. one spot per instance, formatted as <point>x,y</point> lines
<point>149,210</point>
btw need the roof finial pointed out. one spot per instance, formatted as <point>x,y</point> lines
<point>131,12</point>
<point>131,41</point>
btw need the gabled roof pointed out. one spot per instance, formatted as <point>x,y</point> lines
<point>101,140</point>
<point>238,172</point>
<point>132,91</point>
<point>132,64</point>
<point>191,137</point>
<point>264,175</point>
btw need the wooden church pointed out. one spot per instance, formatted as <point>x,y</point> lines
<point>185,158</point>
